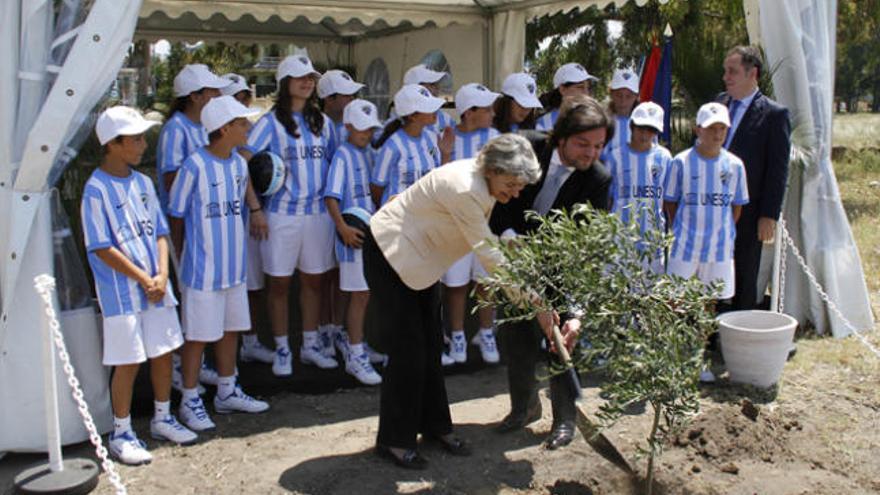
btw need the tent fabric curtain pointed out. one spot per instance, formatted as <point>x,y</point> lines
<point>798,37</point>
<point>508,45</point>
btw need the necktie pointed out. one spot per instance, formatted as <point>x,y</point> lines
<point>734,107</point>
<point>548,192</point>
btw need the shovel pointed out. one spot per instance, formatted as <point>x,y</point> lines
<point>591,432</point>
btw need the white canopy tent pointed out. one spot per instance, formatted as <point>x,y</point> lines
<point>483,40</point>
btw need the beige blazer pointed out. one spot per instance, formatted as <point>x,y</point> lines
<point>435,222</point>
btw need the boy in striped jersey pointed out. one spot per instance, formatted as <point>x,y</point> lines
<point>638,171</point>
<point>475,106</point>
<point>348,186</point>
<point>126,236</point>
<point>624,96</point>
<point>207,202</point>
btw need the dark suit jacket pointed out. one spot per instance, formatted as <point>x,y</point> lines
<point>763,142</point>
<point>582,186</point>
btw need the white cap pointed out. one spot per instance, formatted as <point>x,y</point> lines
<point>625,78</point>
<point>571,73</point>
<point>295,66</point>
<point>337,82</point>
<point>194,77</point>
<point>474,95</point>
<point>712,113</point>
<point>648,114</point>
<point>237,84</point>
<point>223,110</point>
<point>421,74</point>
<point>523,89</point>
<point>361,114</point>
<point>121,121</point>
<point>414,98</point>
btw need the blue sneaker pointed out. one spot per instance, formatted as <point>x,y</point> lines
<point>169,429</point>
<point>128,449</point>
<point>194,415</point>
<point>283,364</point>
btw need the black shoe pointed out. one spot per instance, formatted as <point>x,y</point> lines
<point>560,436</point>
<point>453,445</point>
<point>410,459</point>
<point>518,421</point>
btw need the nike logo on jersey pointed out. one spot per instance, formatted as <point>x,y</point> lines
<point>215,184</point>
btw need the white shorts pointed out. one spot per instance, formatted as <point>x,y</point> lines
<point>133,338</point>
<point>299,242</point>
<point>351,274</point>
<point>209,313</point>
<point>254,275</point>
<point>459,274</point>
<point>707,273</point>
<point>477,270</point>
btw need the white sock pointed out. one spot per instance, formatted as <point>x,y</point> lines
<point>356,350</point>
<point>121,425</point>
<point>190,393</point>
<point>457,333</point>
<point>310,338</point>
<point>161,410</point>
<point>249,339</point>
<point>225,386</point>
<point>281,342</point>
<point>486,330</point>
<point>336,328</point>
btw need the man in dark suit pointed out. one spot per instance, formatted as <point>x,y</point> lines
<point>760,135</point>
<point>571,174</point>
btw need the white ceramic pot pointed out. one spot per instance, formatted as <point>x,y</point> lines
<point>755,345</point>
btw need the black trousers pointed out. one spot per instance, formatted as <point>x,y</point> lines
<point>413,395</point>
<point>747,261</point>
<point>523,350</point>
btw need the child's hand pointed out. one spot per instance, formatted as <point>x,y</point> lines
<point>259,225</point>
<point>447,141</point>
<point>351,236</point>
<point>157,292</point>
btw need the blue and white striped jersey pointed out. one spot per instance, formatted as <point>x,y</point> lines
<point>208,194</point>
<point>307,158</point>
<point>621,137</point>
<point>348,181</point>
<point>179,138</point>
<point>339,132</point>
<point>637,181</point>
<point>546,122</point>
<point>705,189</point>
<point>402,160</point>
<point>124,213</point>
<point>468,144</point>
<point>437,128</point>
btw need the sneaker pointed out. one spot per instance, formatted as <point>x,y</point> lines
<point>458,349</point>
<point>194,415</point>
<point>706,376</point>
<point>128,449</point>
<point>376,357</point>
<point>360,368</point>
<point>177,381</point>
<point>257,353</point>
<point>488,348</point>
<point>340,340</point>
<point>326,336</point>
<point>208,375</point>
<point>238,401</point>
<point>282,363</point>
<point>313,355</point>
<point>169,429</point>
<point>445,360</point>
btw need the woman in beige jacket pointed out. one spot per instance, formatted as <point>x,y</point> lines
<point>414,239</point>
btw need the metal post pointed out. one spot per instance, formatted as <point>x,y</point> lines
<point>777,255</point>
<point>50,395</point>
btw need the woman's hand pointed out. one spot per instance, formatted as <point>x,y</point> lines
<point>547,320</point>
<point>570,333</point>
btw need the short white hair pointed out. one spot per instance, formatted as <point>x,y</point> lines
<point>510,154</point>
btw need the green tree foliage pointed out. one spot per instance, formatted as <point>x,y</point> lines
<point>858,52</point>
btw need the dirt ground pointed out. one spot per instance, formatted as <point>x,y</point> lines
<point>817,432</point>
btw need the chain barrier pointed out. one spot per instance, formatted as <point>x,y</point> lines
<point>45,285</point>
<point>788,242</point>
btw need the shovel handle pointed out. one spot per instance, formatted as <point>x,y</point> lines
<point>560,347</point>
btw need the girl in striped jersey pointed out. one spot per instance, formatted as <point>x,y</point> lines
<point>638,171</point>
<point>474,103</point>
<point>624,96</point>
<point>207,202</point>
<point>300,230</point>
<point>430,80</point>
<point>516,108</point>
<point>348,183</point>
<point>406,150</point>
<point>569,80</point>
<point>126,236</point>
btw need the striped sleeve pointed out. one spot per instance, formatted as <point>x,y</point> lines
<point>336,176</point>
<point>96,228</point>
<point>181,190</point>
<point>161,222</point>
<point>741,193</point>
<point>261,135</point>
<point>331,140</point>
<point>386,158</point>
<point>672,186</point>
<point>171,153</point>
